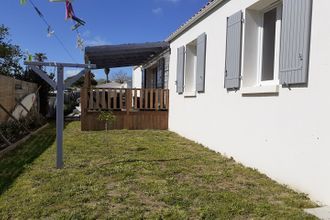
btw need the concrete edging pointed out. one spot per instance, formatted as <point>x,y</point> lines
<point>15,145</point>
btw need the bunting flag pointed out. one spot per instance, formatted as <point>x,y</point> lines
<point>71,15</point>
<point>50,31</point>
<point>22,2</point>
<point>80,42</point>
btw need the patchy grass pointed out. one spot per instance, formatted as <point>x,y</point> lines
<point>142,174</point>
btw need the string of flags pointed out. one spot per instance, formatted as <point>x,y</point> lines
<point>69,15</point>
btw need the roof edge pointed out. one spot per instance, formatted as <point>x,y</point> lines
<point>207,8</point>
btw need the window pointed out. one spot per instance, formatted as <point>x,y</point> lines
<point>268,45</point>
<point>190,71</point>
<point>262,45</point>
<point>191,60</point>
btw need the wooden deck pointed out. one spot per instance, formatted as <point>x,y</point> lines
<point>134,108</point>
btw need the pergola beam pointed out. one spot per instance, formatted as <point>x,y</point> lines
<point>124,55</point>
<point>122,47</point>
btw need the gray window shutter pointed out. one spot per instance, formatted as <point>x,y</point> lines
<point>180,69</point>
<point>233,51</point>
<point>295,41</point>
<point>201,58</point>
<point>160,73</point>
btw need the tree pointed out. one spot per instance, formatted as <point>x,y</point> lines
<point>40,57</point>
<point>80,82</point>
<point>108,118</point>
<point>101,81</point>
<point>10,55</point>
<point>121,77</point>
<point>31,76</point>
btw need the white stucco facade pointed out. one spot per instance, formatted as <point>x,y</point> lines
<point>284,135</point>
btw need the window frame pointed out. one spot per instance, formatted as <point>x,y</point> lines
<point>192,92</point>
<point>275,80</point>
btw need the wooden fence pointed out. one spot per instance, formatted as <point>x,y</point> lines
<point>134,108</point>
<point>10,90</point>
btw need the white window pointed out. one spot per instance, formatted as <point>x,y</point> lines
<point>262,45</point>
<point>190,69</point>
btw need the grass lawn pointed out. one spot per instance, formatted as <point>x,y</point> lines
<point>142,174</point>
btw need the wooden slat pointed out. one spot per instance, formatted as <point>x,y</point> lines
<point>120,99</point>
<point>97,99</point>
<point>146,106</point>
<point>156,100</point>
<point>115,99</point>
<point>161,99</point>
<point>167,99</point>
<point>103,101</point>
<point>109,98</point>
<point>152,99</point>
<point>141,99</point>
<point>91,101</point>
<point>135,98</point>
<point>128,101</point>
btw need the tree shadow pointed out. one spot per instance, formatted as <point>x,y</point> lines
<point>13,164</point>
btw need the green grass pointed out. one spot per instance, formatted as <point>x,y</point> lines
<point>142,174</point>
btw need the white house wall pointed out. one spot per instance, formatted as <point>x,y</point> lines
<point>137,77</point>
<point>285,136</point>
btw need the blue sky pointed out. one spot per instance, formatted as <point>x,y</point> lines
<point>108,22</point>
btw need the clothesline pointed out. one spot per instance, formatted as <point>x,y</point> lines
<point>51,32</point>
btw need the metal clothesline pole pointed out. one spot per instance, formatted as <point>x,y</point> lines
<point>59,86</point>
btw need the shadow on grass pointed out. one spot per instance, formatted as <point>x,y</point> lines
<point>14,163</point>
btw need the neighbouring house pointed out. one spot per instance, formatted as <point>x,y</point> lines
<point>113,85</point>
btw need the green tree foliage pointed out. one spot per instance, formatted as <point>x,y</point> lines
<point>80,82</point>
<point>31,76</point>
<point>10,55</point>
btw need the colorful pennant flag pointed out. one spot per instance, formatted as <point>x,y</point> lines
<point>22,2</point>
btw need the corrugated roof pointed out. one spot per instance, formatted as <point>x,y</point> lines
<point>208,7</point>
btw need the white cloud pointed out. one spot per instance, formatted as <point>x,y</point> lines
<point>90,40</point>
<point>157,11</point>
<point>96,41</point>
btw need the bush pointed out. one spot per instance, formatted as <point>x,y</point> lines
<point>14,131</point>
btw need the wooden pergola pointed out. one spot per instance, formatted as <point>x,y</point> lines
<point>122,55</point>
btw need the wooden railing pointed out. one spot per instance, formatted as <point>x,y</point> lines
<point>128,99</point>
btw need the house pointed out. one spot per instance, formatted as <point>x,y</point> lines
<point>154,73</point>
<point>113,85</point>
<point>250,79</point>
